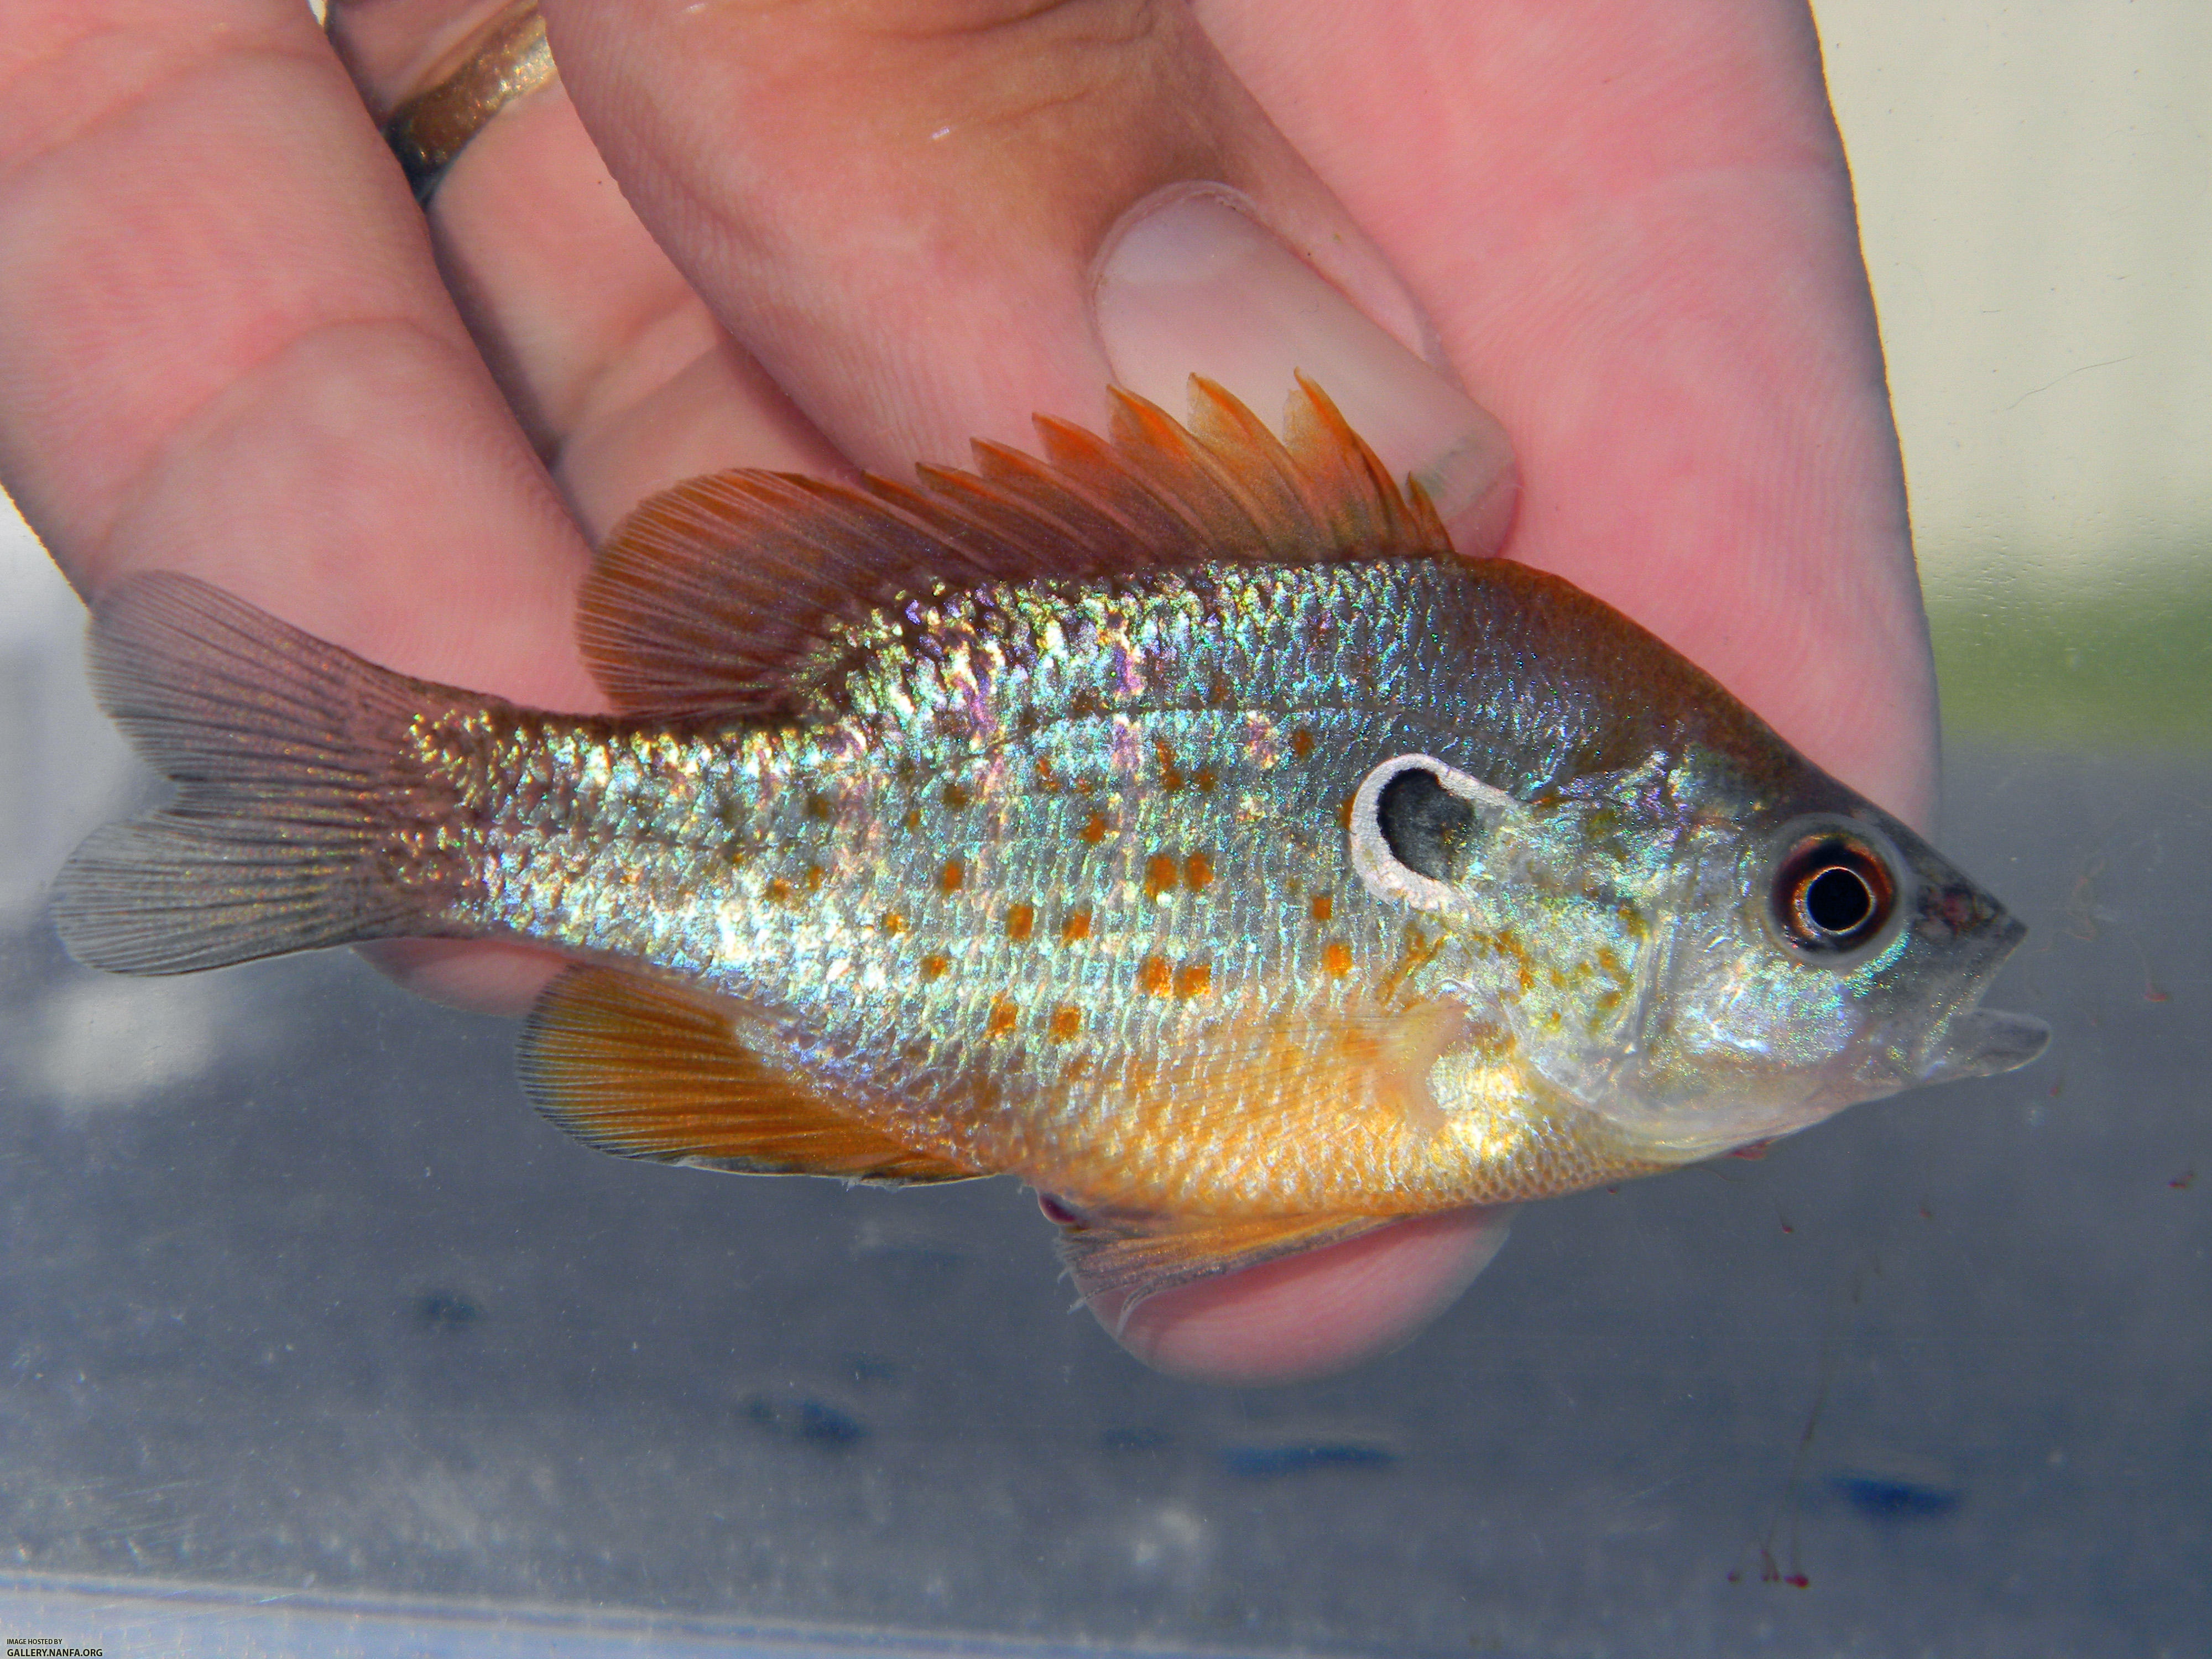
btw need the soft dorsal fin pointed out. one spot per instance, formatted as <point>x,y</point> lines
<point>706,594</point>
<point>645,1070</point>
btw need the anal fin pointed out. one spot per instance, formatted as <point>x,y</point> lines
<point>1137,1259</point>
<point>642,1069</point>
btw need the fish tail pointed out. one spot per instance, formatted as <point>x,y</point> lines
<point>298,818</point>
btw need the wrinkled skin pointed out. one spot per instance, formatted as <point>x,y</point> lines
<point>225,346</point>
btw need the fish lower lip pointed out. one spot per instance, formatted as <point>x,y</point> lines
<point>1984,1043</point>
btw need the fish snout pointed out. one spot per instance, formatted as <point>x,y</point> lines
<point>1974,1041</point>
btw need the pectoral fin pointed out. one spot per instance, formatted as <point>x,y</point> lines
<point>642,1069</point>
<point>1141,1258</point>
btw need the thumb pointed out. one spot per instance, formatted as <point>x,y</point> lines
<point>929,221</point>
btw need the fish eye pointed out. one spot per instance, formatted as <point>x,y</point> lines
<point>1832,891</point>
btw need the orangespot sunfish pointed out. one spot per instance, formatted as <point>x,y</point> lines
<point>1175,823</point>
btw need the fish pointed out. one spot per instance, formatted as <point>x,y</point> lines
<point>1172,820</point>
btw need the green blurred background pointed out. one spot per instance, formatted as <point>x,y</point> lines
<point>2035,199</point>
<point>2121,659</point>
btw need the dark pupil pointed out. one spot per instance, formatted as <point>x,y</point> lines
<point>1425,826</point>
<point>1838,900</point>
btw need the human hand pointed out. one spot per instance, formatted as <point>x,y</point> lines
<point>877,231</point>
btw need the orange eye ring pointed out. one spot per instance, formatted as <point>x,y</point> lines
<point>1832,892</point>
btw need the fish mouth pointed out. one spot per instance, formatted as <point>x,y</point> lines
<point>1982,1042</point>
<point>1977,1041</point>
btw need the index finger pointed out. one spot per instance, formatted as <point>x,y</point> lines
<point>225,350</point>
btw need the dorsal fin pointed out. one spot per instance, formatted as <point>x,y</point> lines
<point>705,596</point>
<point>645,1070</point>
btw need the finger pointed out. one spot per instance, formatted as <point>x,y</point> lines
<point>1631,224</point>
<point>224,350</point>
<point>620,373</point>
<point>901,211</point>
<point>1192,283</point>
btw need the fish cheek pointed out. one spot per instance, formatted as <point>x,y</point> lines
<point>1742,1044</point>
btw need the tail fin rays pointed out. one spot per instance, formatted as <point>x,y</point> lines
<point>296,791</point>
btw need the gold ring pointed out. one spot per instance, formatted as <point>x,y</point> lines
<point>508,59</point>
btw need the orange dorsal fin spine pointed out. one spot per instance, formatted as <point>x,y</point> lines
<point>708,599</point>
<point>644,1069</point>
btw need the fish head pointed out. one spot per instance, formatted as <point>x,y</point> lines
<point>1692,962</point>
<point>1811,956</point>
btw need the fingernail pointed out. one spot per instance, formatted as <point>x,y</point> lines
<point>1191,285</point>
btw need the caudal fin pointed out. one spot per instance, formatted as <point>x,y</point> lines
<point>296,794</point>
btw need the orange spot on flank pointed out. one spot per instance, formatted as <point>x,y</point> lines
<point>893,923</point>
<point>1159,875</point>
<point>1336,957</point>
<point>953,877</point>
<point>1076,926</point>
<point>955,798</point>
<point>1094,831</point>
<point>935,965</point>
<point>1205,778</point>
<point>1155,976</point>
<point>779,892</point>
<point>1324,907</point>
<point>1170,774</point>
<point>1066,1023</point>
<point>1195,980</point>
<point>1019,921</point>
<point>1197,871</point>
<point>814,876</point>
<point>1005,1013</point>
<point>1302,743</point>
